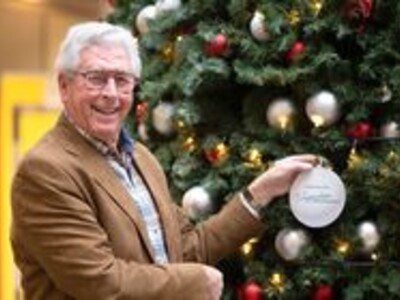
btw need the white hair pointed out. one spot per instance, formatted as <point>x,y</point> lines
<point>93,33</point>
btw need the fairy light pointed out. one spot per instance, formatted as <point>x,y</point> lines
<point>248,247</point>
<point>354,160</point>
<point>254,158</point>
<point>316,6</point>
<point>283,122</point>
<point>374,257</point>
<point>277,282</point>
<point>189,144</point>
<point>343,247</point>
<point>317,120</point>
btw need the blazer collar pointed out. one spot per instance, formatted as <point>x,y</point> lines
<point>102,173</point>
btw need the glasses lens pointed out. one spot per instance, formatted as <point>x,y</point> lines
<point>124,81</point>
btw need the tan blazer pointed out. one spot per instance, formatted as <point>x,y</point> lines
<point>76,233</point>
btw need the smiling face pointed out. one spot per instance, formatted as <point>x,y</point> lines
<point>98,110</point>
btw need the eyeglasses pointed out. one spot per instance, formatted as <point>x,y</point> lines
<point>98,79</point>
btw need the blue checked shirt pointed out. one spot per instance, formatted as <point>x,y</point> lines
<point>124,168</point>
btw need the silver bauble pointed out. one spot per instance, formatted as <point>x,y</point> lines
<point>162,118</point>
<point>149,12</point>
<point>279,113</point>
<point>289,243</point>
<point>197,202</point>
<point>322,109</point>
<point>258,28</point>
<point>167,5</point>
<point>369,235</point>
<point>390,130</point>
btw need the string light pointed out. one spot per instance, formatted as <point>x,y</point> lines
<point>343,247</point>
<point>277,282</point>
<point>254,158</point>
<point>248,247</point>
<point>316,6</point>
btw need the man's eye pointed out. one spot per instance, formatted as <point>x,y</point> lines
<point>97,77</point>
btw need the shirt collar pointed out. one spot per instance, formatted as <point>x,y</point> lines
<point>125,142</point>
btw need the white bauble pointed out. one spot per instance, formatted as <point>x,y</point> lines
<point>390,130</point>
<point>289,243</point>
<point>162,118</point>
<point>322,109</point>
<point>197,202</point>
<point>369,235</point>
<point>258,28</point>
<point>149,12</point>
<point>167,5</point>
<point>279,113</point>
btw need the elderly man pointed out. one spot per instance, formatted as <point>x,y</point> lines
<point>92,214</point>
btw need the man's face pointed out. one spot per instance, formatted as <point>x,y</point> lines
<point>99,94</point>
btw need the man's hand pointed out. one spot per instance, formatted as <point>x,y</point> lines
<point>214,281</point>
<point>277,180</point>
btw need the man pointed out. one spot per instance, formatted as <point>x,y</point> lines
<point>92,214</point>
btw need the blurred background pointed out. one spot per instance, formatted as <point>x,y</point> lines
<point>30,33</point>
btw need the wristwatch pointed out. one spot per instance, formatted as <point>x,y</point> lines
<point>250,202</point>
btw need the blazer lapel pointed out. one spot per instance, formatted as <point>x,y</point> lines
<point>103,174</point>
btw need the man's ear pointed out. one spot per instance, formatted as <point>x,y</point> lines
<point>63,82</point>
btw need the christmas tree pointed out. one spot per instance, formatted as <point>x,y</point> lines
<point>230,86</point>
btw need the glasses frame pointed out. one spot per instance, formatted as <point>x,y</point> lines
<point>125,82</point>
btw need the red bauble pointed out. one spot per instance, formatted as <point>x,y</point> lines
<point>360,130</point>
<point>296,51</point>
<point>218,46</point>
<point>250,291</point>
<point>140,112</point>
<point>323,292</point>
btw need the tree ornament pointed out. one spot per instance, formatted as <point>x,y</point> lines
<point>149,12</point>
<point>250,291</point>
<point>279,113</point>
<point>218,46</point>
<point>289,243</point>
<point>323,292</point>
<point>162,118</point>
<point>358,12</point>
<point>322,109</point>
<point>218,154</point>
<point>390,130</point>
<point>294,17</point>
<point>167,5</point>
<point>196,202</point>
<point>295,52</point>
<point>361,130</point>
<point>258,28</point>
<point>141,111</point>
<point>369,235</point>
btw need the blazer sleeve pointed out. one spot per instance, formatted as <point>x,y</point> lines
<point>211,240</point>
<point>58,228</point>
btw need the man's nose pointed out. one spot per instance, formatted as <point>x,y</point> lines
<point>111,87</point>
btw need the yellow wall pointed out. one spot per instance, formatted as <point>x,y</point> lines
<point>24,93</point>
